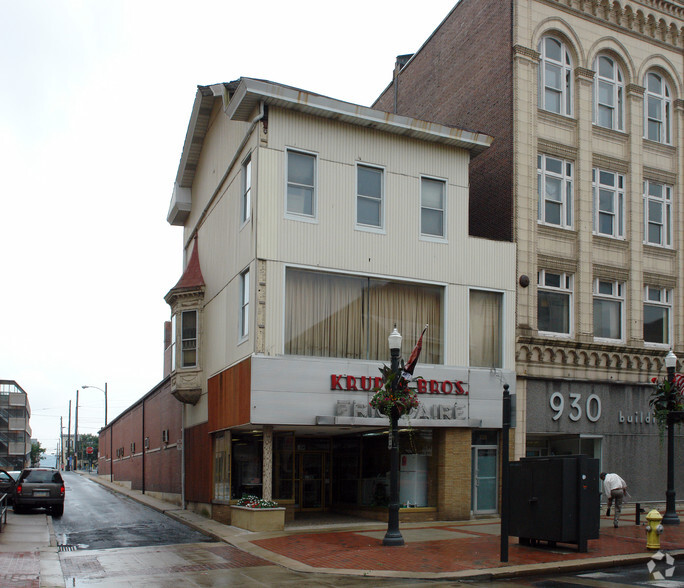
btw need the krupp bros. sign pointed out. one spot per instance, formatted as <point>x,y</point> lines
<point>367,384</point>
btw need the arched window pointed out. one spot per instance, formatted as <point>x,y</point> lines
<point>657,109</point>
<point>609,94</point>
<point>555,77</point>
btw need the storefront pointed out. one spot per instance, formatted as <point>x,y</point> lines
<point>315,441</point>
<point>609,421</point>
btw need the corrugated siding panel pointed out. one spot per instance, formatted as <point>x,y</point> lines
<point>198,474</point>
<point>229,396</point>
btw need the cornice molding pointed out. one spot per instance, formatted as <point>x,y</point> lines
<point>657,21</point>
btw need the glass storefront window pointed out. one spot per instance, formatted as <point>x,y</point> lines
<point>222,466</point>
<point>283,466</point>
<point>247,468</point>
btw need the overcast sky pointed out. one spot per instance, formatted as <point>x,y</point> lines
<point>95,98</point>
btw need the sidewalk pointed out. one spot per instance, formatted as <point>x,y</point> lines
<point>432,550</point>
<point>465,550</point>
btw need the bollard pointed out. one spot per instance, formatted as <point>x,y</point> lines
<point>653,529</point>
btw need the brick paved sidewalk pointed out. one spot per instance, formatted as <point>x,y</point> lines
<point>453,548</point>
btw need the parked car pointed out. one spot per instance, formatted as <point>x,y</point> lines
<point>7,483</point>
<point>40,488</point>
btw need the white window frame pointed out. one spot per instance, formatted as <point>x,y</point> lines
<point>564,179</point>
<point>615,86</point>
<point>425,208</point>
<point>616,191</point>
<point>246,188</point>
<point>174,339</point>
<point>381,200</point>
<point>565,287</point>
<point>616,295</point>
<point>663,99</point>
<point>188,340</point>
<point>294,215</point>
<point>659,298</point>
<point>664,202</point>
<point>564,69</point>
<point>244,305</point>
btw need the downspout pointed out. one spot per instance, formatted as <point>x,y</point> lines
<point>144,449</point>
<point>183,456</point>
<point>238,152</point>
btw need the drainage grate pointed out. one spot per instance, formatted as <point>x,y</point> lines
<point>67,547</point>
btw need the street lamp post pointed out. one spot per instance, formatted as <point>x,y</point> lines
<point>111,457</point>
<point>670,517</point>
<point>393,535</point>
<point>105,395</point>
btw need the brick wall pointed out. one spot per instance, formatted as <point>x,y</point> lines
<point>462,77</point>
<point>453,449</point>
<point>156,468</point>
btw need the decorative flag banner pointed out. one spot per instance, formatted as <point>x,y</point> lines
<point>410,365</point>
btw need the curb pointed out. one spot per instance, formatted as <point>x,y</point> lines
<point>241,541</point>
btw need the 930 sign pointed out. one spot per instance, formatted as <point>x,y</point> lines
<point>591,407</point>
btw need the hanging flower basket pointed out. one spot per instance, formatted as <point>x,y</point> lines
<point>666,397</point>
<point>393,394</point>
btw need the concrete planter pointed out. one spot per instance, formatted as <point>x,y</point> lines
<point>258,519</point>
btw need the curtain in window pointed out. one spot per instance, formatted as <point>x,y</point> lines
<point>323,315</point>
<point>485,329</point>
<point>411,307</point>
<point>330,315</point>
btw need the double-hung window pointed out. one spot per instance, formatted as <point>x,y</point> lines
<point>432,207</point>
<point>554,187</point>
<point>657,313</point>
<point>658,109</point>
<point>486,329</point>
<point>369,196</point>
<point>555,77</point>
<point>609,203</point>
<point>189,338</point>
<point>244,304</point>
<point>657,214</point>
<point>554,302</point>
<point>608,309</point>
<point>246,201</point>
<point>609,92</point>
<point>301,184</point>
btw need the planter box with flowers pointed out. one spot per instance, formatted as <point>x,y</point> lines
<point>256,514</point>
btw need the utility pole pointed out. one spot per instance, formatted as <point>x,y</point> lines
<point>60,445</point>
<point>76,434</point>
<point>69,439</point>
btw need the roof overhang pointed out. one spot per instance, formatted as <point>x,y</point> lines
<point>250,92</point>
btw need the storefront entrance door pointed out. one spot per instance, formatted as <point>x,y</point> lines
<point>484,479</point>
<point>311,486</point>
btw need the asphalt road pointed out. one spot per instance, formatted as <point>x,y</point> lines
<point>108,539</point>
<point>95,518</point>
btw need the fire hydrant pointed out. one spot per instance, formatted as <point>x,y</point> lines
<point>653,529</point>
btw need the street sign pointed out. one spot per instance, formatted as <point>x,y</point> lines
<point>89,450</point>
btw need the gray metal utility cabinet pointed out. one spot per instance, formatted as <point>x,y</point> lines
<point>555,499</point>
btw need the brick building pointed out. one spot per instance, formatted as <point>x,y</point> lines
<point>584,101</point>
